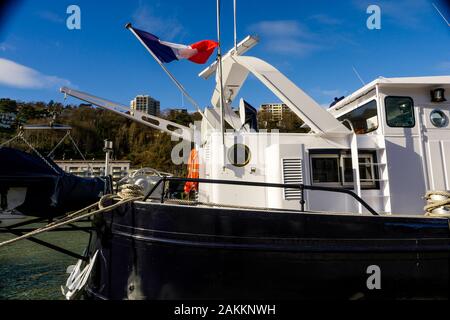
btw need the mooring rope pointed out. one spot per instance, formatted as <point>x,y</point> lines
<point>128,193</point>
<point>20,136</point>
<point>11,140</point>
<point>219,205</point>
<point>436,204</point>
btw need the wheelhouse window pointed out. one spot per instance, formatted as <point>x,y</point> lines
<point>335,170</point>
<point>399,112</point>
<point>364,119</point>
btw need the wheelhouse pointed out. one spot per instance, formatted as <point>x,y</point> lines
<point>396,148</point>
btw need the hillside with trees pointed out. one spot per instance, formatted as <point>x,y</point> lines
<point>142,145</point>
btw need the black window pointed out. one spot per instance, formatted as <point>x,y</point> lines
<point>335,169</point>
<point>364,119</point>
<point>399,112</point>
<point>325,169</point>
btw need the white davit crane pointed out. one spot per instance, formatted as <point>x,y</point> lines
<point>169,127</point>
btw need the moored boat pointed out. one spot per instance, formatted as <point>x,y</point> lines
<point>153,250</point>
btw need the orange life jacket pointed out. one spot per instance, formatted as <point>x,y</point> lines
<point>193,172</point>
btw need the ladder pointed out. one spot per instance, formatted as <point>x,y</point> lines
<point>383,170</point>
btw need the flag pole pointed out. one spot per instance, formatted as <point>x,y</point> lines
<point>222,108</point>
<point>171,76</point>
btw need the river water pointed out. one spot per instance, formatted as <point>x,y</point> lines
<point>30,271</point>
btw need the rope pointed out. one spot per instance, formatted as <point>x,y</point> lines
<point>38,153</point>
<point>20,136</point>
<point>58,144</point>
<point>11,140</point>
<point>128,193</point>
<point>436,204</point>
<point>68,135</point>
<point>218,205</point>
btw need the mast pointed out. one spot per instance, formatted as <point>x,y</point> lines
<point>219,59</point>
<point>235,27</point>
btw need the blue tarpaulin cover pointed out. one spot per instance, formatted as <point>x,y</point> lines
<point>50,191</point>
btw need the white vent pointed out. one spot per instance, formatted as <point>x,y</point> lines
<point>292,174</point>
<point>207,150</point>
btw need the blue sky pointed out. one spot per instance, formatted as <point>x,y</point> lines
<point>315,43</point>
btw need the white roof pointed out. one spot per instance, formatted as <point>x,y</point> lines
<point>434,81</point>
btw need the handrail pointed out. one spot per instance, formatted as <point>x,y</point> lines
<point>301,187</point>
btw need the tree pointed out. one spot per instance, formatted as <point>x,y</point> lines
<point>8,105</point>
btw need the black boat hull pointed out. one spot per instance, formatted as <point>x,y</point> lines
<point>160,251</point>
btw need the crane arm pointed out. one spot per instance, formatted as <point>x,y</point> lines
<point>169,127</point>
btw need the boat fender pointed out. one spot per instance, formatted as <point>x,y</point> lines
<point>193,172</point>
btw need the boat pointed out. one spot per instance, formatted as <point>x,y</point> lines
<point>316,215</point>
<point>337,212</point>
<point>33,185</point>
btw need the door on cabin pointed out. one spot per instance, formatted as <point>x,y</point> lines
<point>435,130</point>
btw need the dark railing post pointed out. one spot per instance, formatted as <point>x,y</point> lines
<point>163,191</point>
<point>302,198</point>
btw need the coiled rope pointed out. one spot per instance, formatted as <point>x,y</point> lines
<point>436,204</point>
<point>128,193</point>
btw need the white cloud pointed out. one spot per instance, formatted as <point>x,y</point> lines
<point>332,93</point>
<point>6,47</point>
<point>406,13</point>
<point>145,18</point>
<point>325,19</point>
<point>16,75</point>
<point>444,65</point>
<point>281,28</point>
<point>326,96</point>
<point>291,46</point>
<point>286,37</point>
<point>50,16</point>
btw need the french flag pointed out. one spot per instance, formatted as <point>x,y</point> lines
<point>166,52</point>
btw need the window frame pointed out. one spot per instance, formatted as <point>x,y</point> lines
<point>359,107</point>
<point>412,106</point>
<point>442,113</point>
<point>329,155</point>
<point>340,155</point>
<point>367,183</point>
<point>231,154</point>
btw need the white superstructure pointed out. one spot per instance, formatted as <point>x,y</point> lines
<point>389,142</point>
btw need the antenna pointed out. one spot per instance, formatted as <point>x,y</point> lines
<point>440,13</point>
<point>359,77</point>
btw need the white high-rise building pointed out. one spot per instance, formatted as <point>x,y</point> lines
<point>276,110</point>
<point>145,104</point>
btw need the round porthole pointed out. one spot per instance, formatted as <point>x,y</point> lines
<point>438,118</point>
<point>239,155</point>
